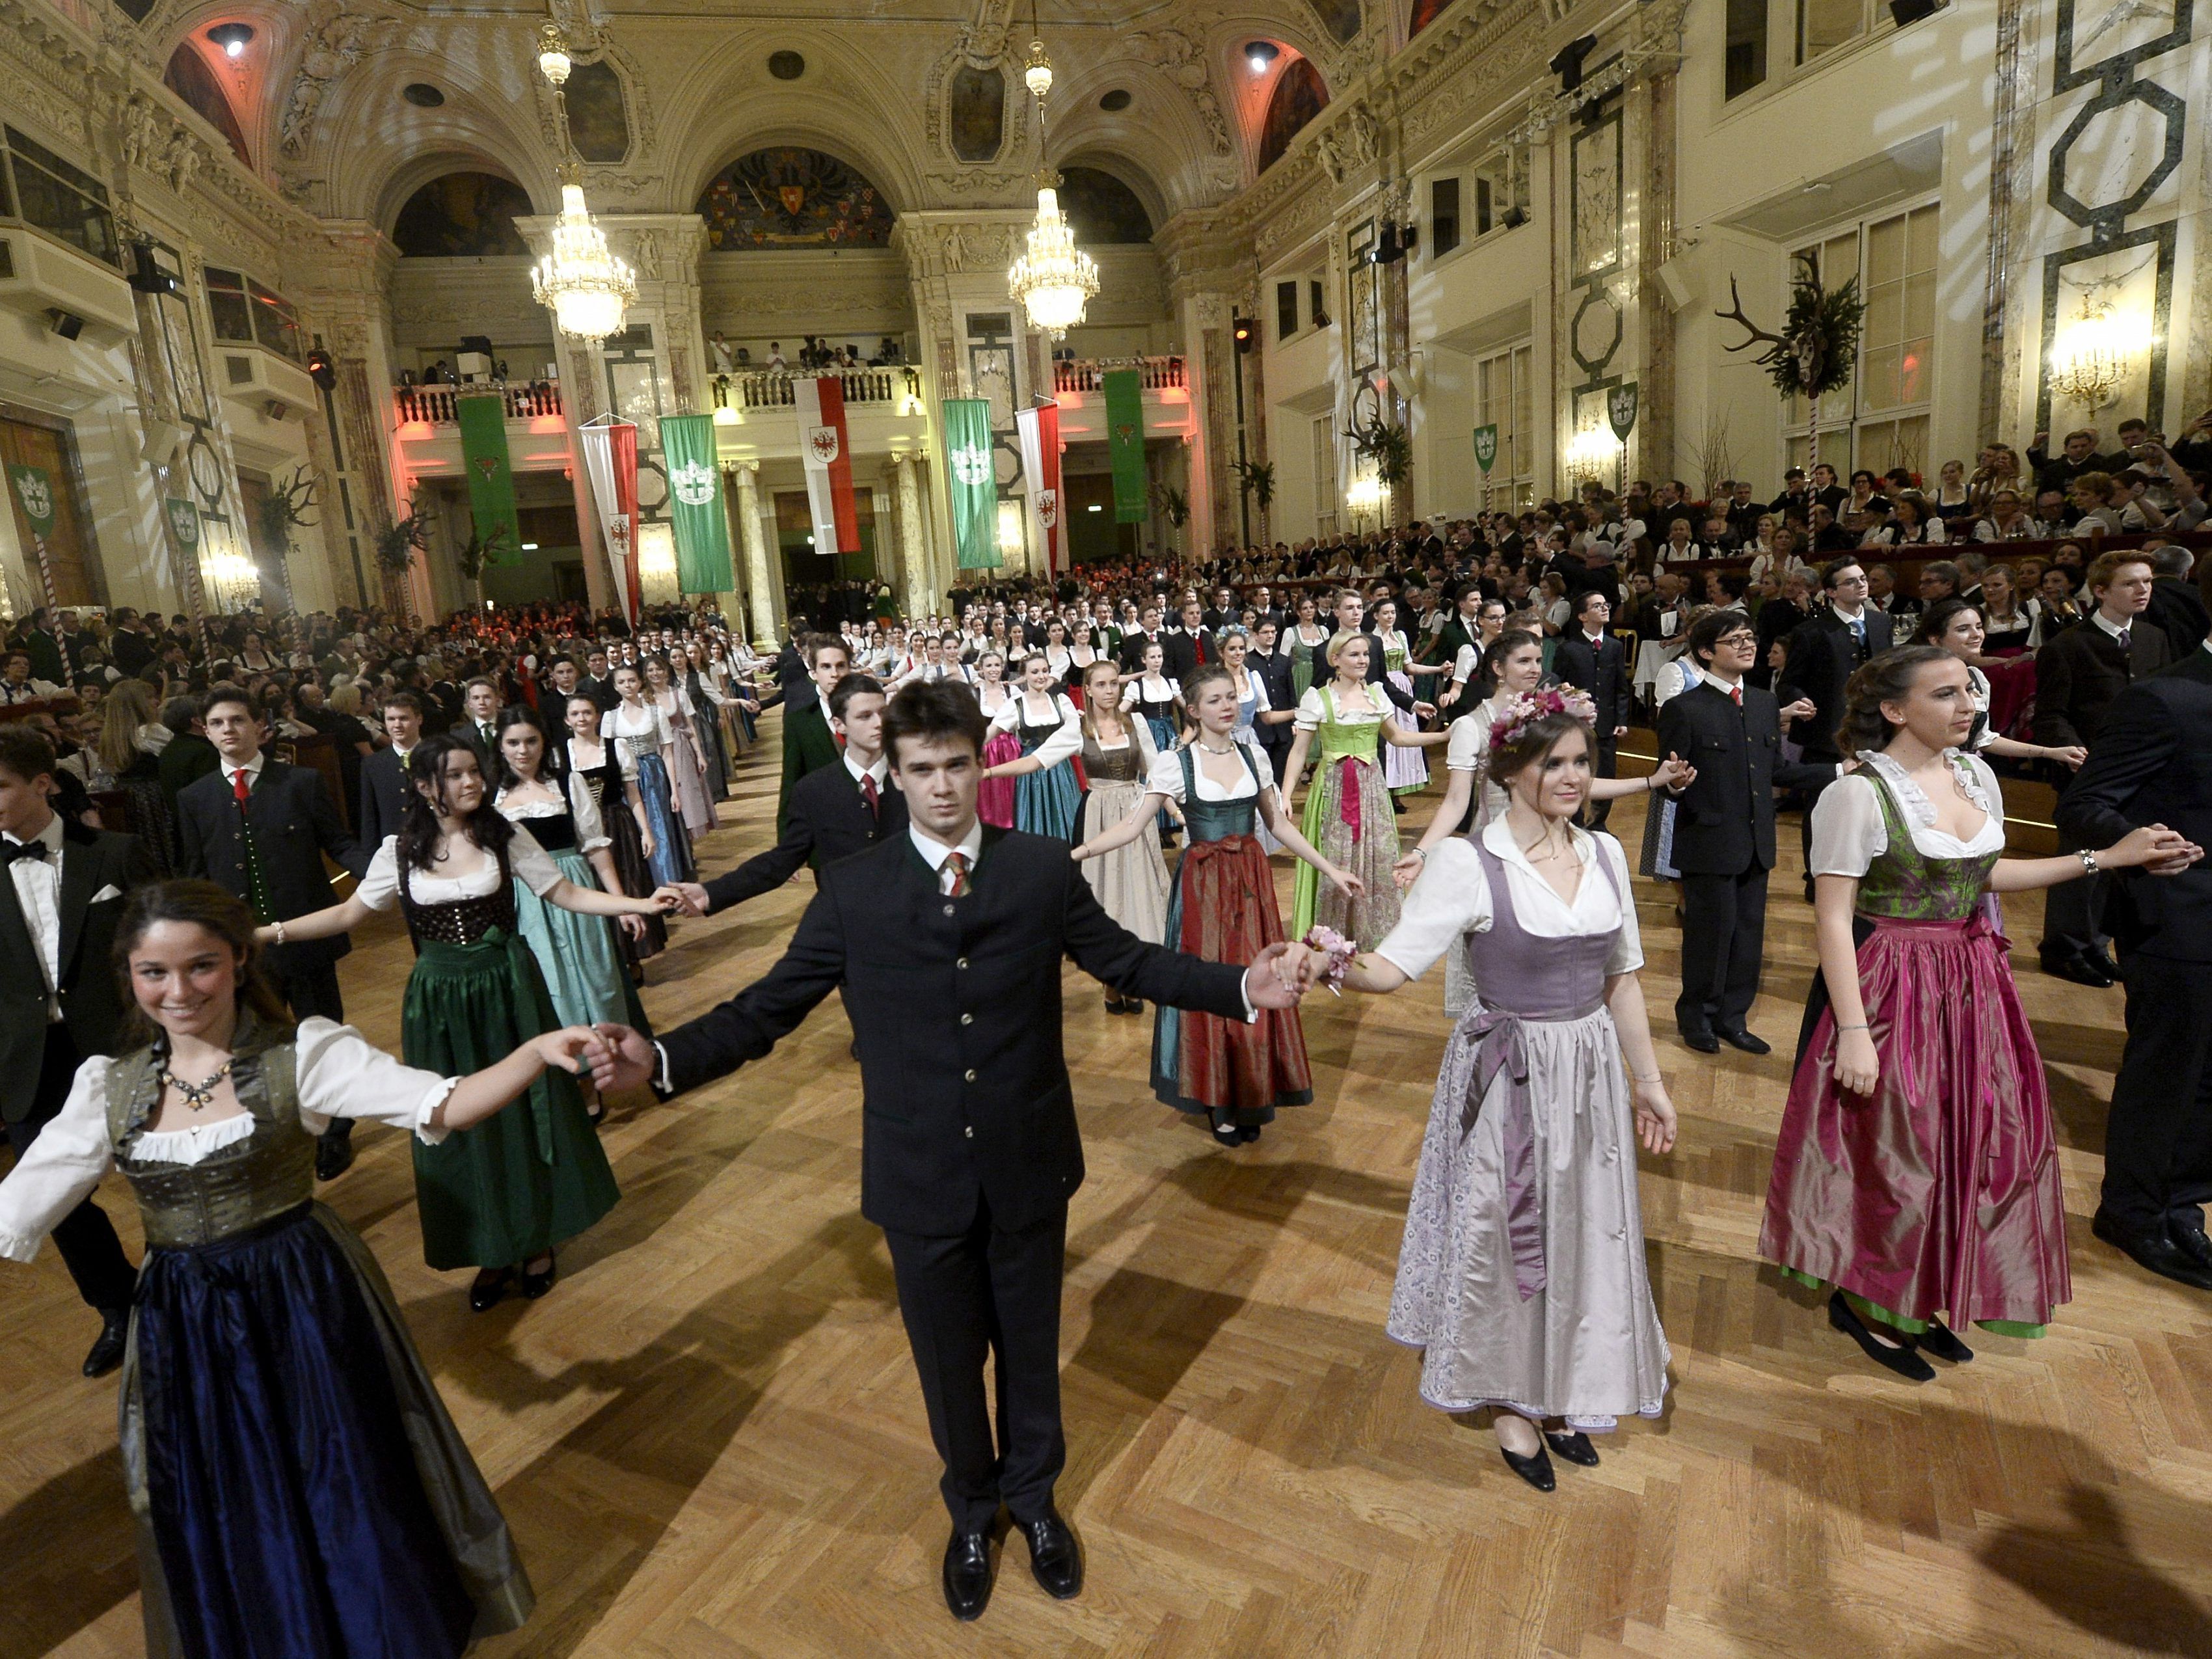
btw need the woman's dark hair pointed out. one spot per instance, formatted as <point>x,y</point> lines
<point>551,758</point>
<point>194,904</point>
<point>938,711</point>
<point>1495,653</point>
<point>1200,676</point>
<point>1887,678</point>
<point>418,825</point>
<point>1535,742</point>
<point>1937,620</point>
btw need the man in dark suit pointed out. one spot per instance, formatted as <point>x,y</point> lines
<point>2175,605</point>
<point>480,704</point>
<point>1592,659</point>
<point>1148,632</point>
<point>60,898</point>
<point>2151,763</point>
<point>1731,733</point>
<point>808,743</point>
<point>598,683</point>
<point>260,830</point>
<point>948,941</point>
<point>188,756</point>
<point>2077,676</point>
<point>1188,645</point>
<point>383,786</point>
<point>1821,654</point>
<point>1350,616</point>
<point>836,811</point>
<point>1273,667</point>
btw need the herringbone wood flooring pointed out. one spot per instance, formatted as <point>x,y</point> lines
<point>709,1441</point>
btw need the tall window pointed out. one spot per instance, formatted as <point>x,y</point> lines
<point>1824,25</point>
<point>1324,475</point>
<point>1745,48</point>
<point>246,314</point>
<point>48,194</point>
<point>1444,216</point>
<point>1504,398</point>
<point>1286,309</point>
<point>1881,419</point>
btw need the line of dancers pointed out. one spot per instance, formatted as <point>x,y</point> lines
<point>311,1470</point>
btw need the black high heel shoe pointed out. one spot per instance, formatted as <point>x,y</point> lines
<point>1901,1359</point>
<point>489,1286</point>
<point>1574,1446</point>
<point>1536,1471</point>
<point>535,1284</point>
<point>1227,1135</point>
<point>1941,1341</point>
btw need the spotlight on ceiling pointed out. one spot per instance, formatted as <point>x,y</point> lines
<point>1260,54</point>
<point>231,36</point>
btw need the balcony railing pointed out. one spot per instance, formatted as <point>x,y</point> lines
<point>1088,373</point>
<point>434,403</point>
<point>771,388</point>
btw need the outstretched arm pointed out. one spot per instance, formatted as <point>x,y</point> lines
<point>1127,830</point>
<point>340,918</point>
<point>1279,825</point>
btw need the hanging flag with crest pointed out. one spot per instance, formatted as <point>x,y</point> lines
<point>610,462</point>
<point>1038,430</point>
<point>1125,444</point>
<point>827,450</point>
<point>482,417</point>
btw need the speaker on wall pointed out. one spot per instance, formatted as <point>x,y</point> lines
<point>1674,280</point>
<point>162,438</point>
<point>1911,11</point>
<point>67,324</point>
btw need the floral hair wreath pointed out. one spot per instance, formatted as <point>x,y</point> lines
<point>1530,706</point>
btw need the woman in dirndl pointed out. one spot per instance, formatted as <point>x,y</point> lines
<point>1046,793</point>
<point>1523,1277</point>
<point>1348,814</point>
<point>1227,1074</point>
<point>687,761</point>
<point>622,819</point>
<point>1405,768</point>
<point>500,1196</point>
<point>1916,1176</point>
<point>1130,882</point>
<point>995,795</point>
<point>297,1485</point>
<point>638,732</point>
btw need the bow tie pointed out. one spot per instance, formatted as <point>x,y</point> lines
<point>10,851</point>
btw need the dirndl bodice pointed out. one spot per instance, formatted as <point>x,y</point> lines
<point>1163,712</point>
<point>1033,737</point>
<point>1342,740</point>
<point>1123,765</point>
<point>1905,884</point>
<point>236,1187</point>
<point>461,921</point>
<point>1217,820</point>
<point>556,832</point>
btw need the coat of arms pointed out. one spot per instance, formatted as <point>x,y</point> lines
<point>1047,507</point>
<point>693,482</point>
<point>1621,409</point>
<point>822,441</point>
<point>36,494</point>
<point>1485,446</point>
<point>972,466</point>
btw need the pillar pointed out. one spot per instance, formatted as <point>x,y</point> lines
<point>760,578</point>
<point>920,598</point>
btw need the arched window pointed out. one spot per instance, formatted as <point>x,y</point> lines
<point>462,216</point>
<point>1298,97</point>
<point>192,80</point>
<point>1102,209</point>
<point>789,197</point>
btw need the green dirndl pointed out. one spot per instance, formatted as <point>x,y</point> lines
<point>525,1179</point>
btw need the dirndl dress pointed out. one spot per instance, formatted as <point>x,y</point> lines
<point>576,954</point>
<point>671,859</point>
<point>1405,771</point>
<point>1939,1194</point>
<point>611,799</point>
<point>1130,882</point>
<point>1045,800</point>
<point>1223,908</point>
<point>687,771</point>
<point>1349,821</point>
<point>1523,1277</point>
<point>297,1483</point>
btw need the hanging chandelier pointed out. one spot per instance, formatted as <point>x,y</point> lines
<point>1054,279</point>
<point>2092,356</point>
<point>580,282</point>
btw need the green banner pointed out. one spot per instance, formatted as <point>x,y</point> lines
<point>973,477</point>
<point>1125,444</point>
<point>482,421</point>
<point>695,505</point>
<point>1486,447</point>
<point>34,492</point>
<point>184,521</point>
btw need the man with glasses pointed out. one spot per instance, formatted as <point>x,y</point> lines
<point>1822,654</point>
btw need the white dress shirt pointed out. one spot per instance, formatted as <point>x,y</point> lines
<point>252,768</point>
<point>39,894</point>
<point>880,771</point>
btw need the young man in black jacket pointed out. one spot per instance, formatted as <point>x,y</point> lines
<point>947,940</point>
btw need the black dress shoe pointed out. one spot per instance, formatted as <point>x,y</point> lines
<point>491,1285</point>
<point>967,1575</point>
<point>1703,1042</point>
<point>2191,1242</point>
<point>2154,1252</point>
<point>2101,959</point>
<point>1902,1359</point>
<point>536,1285</point>
<point>1944,1342</point>
<point>2079,969</point>
<point>1536,1471</point>
<point>333,1156</point>
<point>1055,1558</point>
<point>108,1351</point>
<point>1747,1042</point>
<point>1576,1448</point>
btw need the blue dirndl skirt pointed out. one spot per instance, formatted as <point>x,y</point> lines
<point>671,842</point>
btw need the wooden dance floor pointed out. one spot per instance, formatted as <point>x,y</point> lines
<point>710,1444</point>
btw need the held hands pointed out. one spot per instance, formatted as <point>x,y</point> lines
<point>669,900</point>
<point>1276,979</point>
<point>2070,754</point>
<point>1673,775</point>
<point>1857,1067</point>
<point>570,1049</point>
<point>620,1058</point>
<point>1655,1116</point>
<point>2154,847</point>
<point>1803,709</point>
<point>691,896</point>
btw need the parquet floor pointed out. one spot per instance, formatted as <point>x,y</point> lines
<point>709,1441</point>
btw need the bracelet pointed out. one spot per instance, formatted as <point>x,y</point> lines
<point>1854,1028</point>
<point>1656,1077</point>
<point>1651,783</point>
<point>2088,860</point>
<point>1422,854</point>
<point>280,933</point>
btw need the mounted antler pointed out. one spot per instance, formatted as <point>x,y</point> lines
<point>299,497</point>
<point>1778,350</point>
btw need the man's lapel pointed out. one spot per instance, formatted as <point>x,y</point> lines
<point>80,872</point>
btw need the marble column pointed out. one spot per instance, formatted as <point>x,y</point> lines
<point>760,580</point>
<point>914,550</point>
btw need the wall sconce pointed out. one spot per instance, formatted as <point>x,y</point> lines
<point>1593,452</point>
<point>2090,357</point>
<point>1012,533</point>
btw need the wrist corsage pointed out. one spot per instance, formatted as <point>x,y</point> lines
<point>1337,952</point>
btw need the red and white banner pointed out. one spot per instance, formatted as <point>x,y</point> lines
<point>611,463</point>
<point>827,449</point>
<point>1037,429</point>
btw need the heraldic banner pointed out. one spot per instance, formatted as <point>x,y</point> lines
<point>695,505</point>
<point>827,450</point>
<point>611,463</point>
<point>1125,443</point>
<point>972,476</point>
<point>1038,430</point>
<point>482,421</point>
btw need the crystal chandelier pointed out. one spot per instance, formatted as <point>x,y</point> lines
<point>2091,358</point>
<point>584,285</point>
<point>1054,278</point>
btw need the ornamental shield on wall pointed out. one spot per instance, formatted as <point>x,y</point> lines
<point>1047,507</point>
<point>1485,446</point>
<point>823,441</point>
<point>1621,409</point>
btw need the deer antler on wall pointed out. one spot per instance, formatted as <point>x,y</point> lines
<point>1817,349</point>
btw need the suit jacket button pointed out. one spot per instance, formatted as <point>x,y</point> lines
<point>966,1019</point>
<point>970,1075</point>
<point>948,909</point>
<point>969,1131</point>
<point>962,963</point>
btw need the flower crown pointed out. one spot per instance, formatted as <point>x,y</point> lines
<point>1528,706</point>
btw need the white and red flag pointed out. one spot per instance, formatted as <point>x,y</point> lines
<point>1038,430</point>
<point>827,449</point>
<point>610,462</point>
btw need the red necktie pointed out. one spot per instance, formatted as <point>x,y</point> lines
<point>954,881</point>
<point>1736,691</point>
<point>240,789</point>
<point>868,790</point>
<point>1201,648</point>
